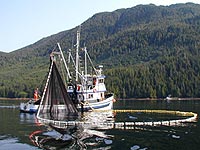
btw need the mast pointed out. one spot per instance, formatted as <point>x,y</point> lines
<point>85,81</point>
<point>85,62</point>
<point>77,54</point>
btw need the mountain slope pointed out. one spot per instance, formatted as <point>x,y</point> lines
<point>143,36</point>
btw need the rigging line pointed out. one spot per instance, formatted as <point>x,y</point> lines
<point>91,62</point>
<point>64,61</point>
<point>54,48</point>
<point>71,58</point>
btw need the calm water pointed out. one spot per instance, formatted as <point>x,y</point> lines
<point>21,131</point>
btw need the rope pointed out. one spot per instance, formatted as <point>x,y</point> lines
<point>87,103</point>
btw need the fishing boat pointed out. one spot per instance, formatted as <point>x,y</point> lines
<point>32,105</point>
<point>169,98</point>
<point>90,87</point>
<point>29,107</point>
<point>69,87</point>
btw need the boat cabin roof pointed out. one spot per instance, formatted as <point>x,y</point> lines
<point>95,76</point>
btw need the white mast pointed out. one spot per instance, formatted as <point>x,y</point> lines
<point>85,61</point>
<point>77,54</point>
<point>85,65</point>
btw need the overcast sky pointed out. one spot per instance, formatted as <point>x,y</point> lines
<point>24,22</point>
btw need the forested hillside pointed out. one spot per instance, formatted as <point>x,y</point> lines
<point>147,51</point>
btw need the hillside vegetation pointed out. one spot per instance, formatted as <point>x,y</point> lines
<point>147,51</point>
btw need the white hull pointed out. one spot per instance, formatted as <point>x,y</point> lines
<point>28,108</point>
<point>106,104</point>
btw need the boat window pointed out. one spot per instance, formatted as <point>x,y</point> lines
<point>89,81</point>
<point>70,88</point>
<point>101,80</point>
<point>90,95</point>
<point>89,87</point>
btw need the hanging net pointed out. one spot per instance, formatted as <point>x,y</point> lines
<point>56,103</point>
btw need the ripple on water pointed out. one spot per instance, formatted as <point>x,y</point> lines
<point>10,143</point>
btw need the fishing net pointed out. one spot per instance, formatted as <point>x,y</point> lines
<point>56,103</point>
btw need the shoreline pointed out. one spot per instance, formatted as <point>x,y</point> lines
<point>175,98</point>
<point>4,98</point>
<point>172,99</point>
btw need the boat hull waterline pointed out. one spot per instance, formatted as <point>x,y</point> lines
<point>28,108</point>
<point>106,104</point>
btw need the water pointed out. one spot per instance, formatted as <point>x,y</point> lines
<point>22,131</point>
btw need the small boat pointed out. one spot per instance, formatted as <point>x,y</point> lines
<point>169,98</point>
<point>30,107</point>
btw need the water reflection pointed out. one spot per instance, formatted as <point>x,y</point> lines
<point>9,143</point>
<point>78,139</point>
<point>77,136</point>
<point>28,118</point>
<point>90,129</point>
<point>15,129</point>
